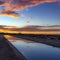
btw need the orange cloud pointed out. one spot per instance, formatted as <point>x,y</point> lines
<point>9,13</point>
<point>12,6</point>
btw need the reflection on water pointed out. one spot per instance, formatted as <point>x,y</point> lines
<point>36,51</point>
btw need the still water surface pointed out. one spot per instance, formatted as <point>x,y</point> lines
<point>36,51</point>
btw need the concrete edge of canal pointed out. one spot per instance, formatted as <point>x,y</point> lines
<point>15,51</point>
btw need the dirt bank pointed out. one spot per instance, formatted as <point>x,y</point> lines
<point>53,40</point>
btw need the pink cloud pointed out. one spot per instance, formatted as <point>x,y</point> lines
<point>12,6</point>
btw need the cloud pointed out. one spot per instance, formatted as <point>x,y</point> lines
<point>1,3</point>
<point>9,13</point>
<point>11,7</point>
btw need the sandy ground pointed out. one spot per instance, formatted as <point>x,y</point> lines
<point>6,52</point>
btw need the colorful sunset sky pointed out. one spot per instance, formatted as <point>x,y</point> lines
<point>29,12</point>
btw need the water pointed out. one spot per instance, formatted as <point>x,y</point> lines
<point>36,51</point>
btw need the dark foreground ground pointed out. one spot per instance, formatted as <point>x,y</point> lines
<point>6,52</point>
<point>53,40</point>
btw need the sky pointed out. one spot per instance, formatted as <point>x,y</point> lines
<point>29,12</point>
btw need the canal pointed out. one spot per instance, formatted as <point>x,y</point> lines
<point>34,50</point>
